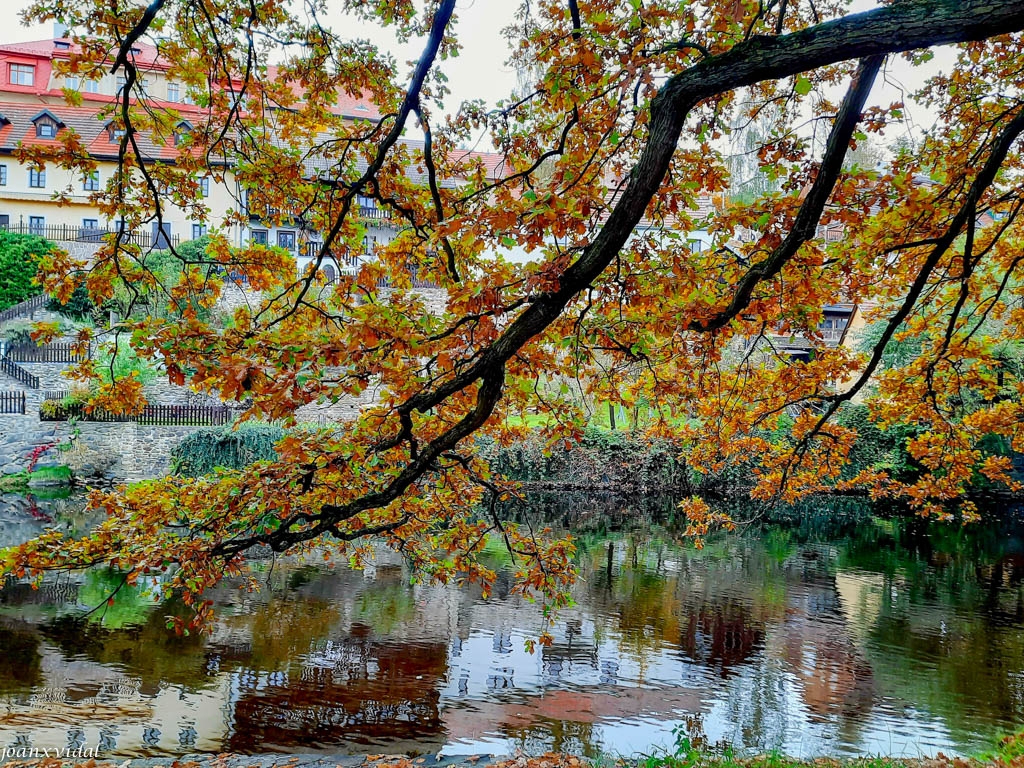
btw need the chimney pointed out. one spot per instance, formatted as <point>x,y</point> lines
<point>59,30</point>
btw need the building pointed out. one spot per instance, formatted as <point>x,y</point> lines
<point>62,206</point>
<point>34,112</point>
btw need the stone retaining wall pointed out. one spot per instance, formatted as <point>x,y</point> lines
<point>117,451</point>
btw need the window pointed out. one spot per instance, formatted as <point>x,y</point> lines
<point>46,130</point>
<point>36,225</point>
<point>181,131</point>
<point>37,178</point>
<point>115,134</point>
<point>92,86</point>
<point>90,224</point>
<point>258,237</point>
<point>121,81</point>
<point>3,175</point>
<point>204,186</point>
<point>91,182</point>
<point>173,92</point>
<point>367,202</point>
<point>286,240</point>
<point>23,74</point>
<point>71,82</point>
<point>198,230</point>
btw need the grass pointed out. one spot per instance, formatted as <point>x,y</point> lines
<point>16,482</point>
<point>55,475</point>
<point>19,481</point>
<point>1008,753</point>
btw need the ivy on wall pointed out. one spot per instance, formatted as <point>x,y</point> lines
<point>207,449</point>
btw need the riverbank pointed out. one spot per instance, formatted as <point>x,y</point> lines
<point>550,760</point>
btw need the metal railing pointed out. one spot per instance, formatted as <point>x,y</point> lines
<point>76,234</point>
<point>54,409</point>
<point>12,402</point>
<point>25,309</point>
<point>48,353</point>
<point>15,371</point>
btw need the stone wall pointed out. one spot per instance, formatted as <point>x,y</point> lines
<point>234,296</point>
<point>116,451</point>
<point>346,409</point>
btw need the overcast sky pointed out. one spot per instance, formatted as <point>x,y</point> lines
<point>480,72</point>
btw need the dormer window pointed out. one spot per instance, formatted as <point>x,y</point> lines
<point>22,74</point>
<point>114,133</point>
<point>47,125</point>
<point>62,45</point>
<point>182,131</point>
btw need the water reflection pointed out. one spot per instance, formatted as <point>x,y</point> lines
<point>828,634</point>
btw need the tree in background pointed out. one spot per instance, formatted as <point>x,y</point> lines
<point>623,125</point>
<point>19,263</point>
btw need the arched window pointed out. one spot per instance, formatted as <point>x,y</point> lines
<point>329,272</point>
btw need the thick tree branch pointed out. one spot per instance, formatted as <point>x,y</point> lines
<point>892,29</point>
<point>806,222</point>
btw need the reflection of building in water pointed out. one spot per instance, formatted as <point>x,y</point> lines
<point>108,710</point>
<point>353,690</point>
<point>721,636</point>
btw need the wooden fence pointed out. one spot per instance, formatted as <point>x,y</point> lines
<point>25,308</point>
<point>49,353</point>
<point>53,409</point>
<point>12,402</point>
<point>15,371</point>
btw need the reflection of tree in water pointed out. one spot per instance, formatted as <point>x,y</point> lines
<point>548,735</point>
<point>146,651</point>
<point>720,635</point>
<point>19,660</point>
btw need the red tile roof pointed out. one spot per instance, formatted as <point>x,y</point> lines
<point>361,108</point>
<point>82,120</point>
<point>146,55</point>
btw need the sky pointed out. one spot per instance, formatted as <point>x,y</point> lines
<point>479,72</point>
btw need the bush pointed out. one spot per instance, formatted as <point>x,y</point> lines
<point>206,449</point>
<point>78,307</point>
<point>879,449</point>
<point>113,367</point>
<point>19,262</point>
<point>602,458</point>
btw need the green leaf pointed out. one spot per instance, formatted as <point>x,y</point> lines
<point>803,85</point>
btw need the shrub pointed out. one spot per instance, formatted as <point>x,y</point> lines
<point>602,458</point>
<point>19,260</point>
<point>206,449</point>
<point>126,362</point>
<point>78,307</point>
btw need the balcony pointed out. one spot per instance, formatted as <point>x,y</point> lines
<point>74,234</point>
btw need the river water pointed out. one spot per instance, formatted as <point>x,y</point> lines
<point>835,632</point>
